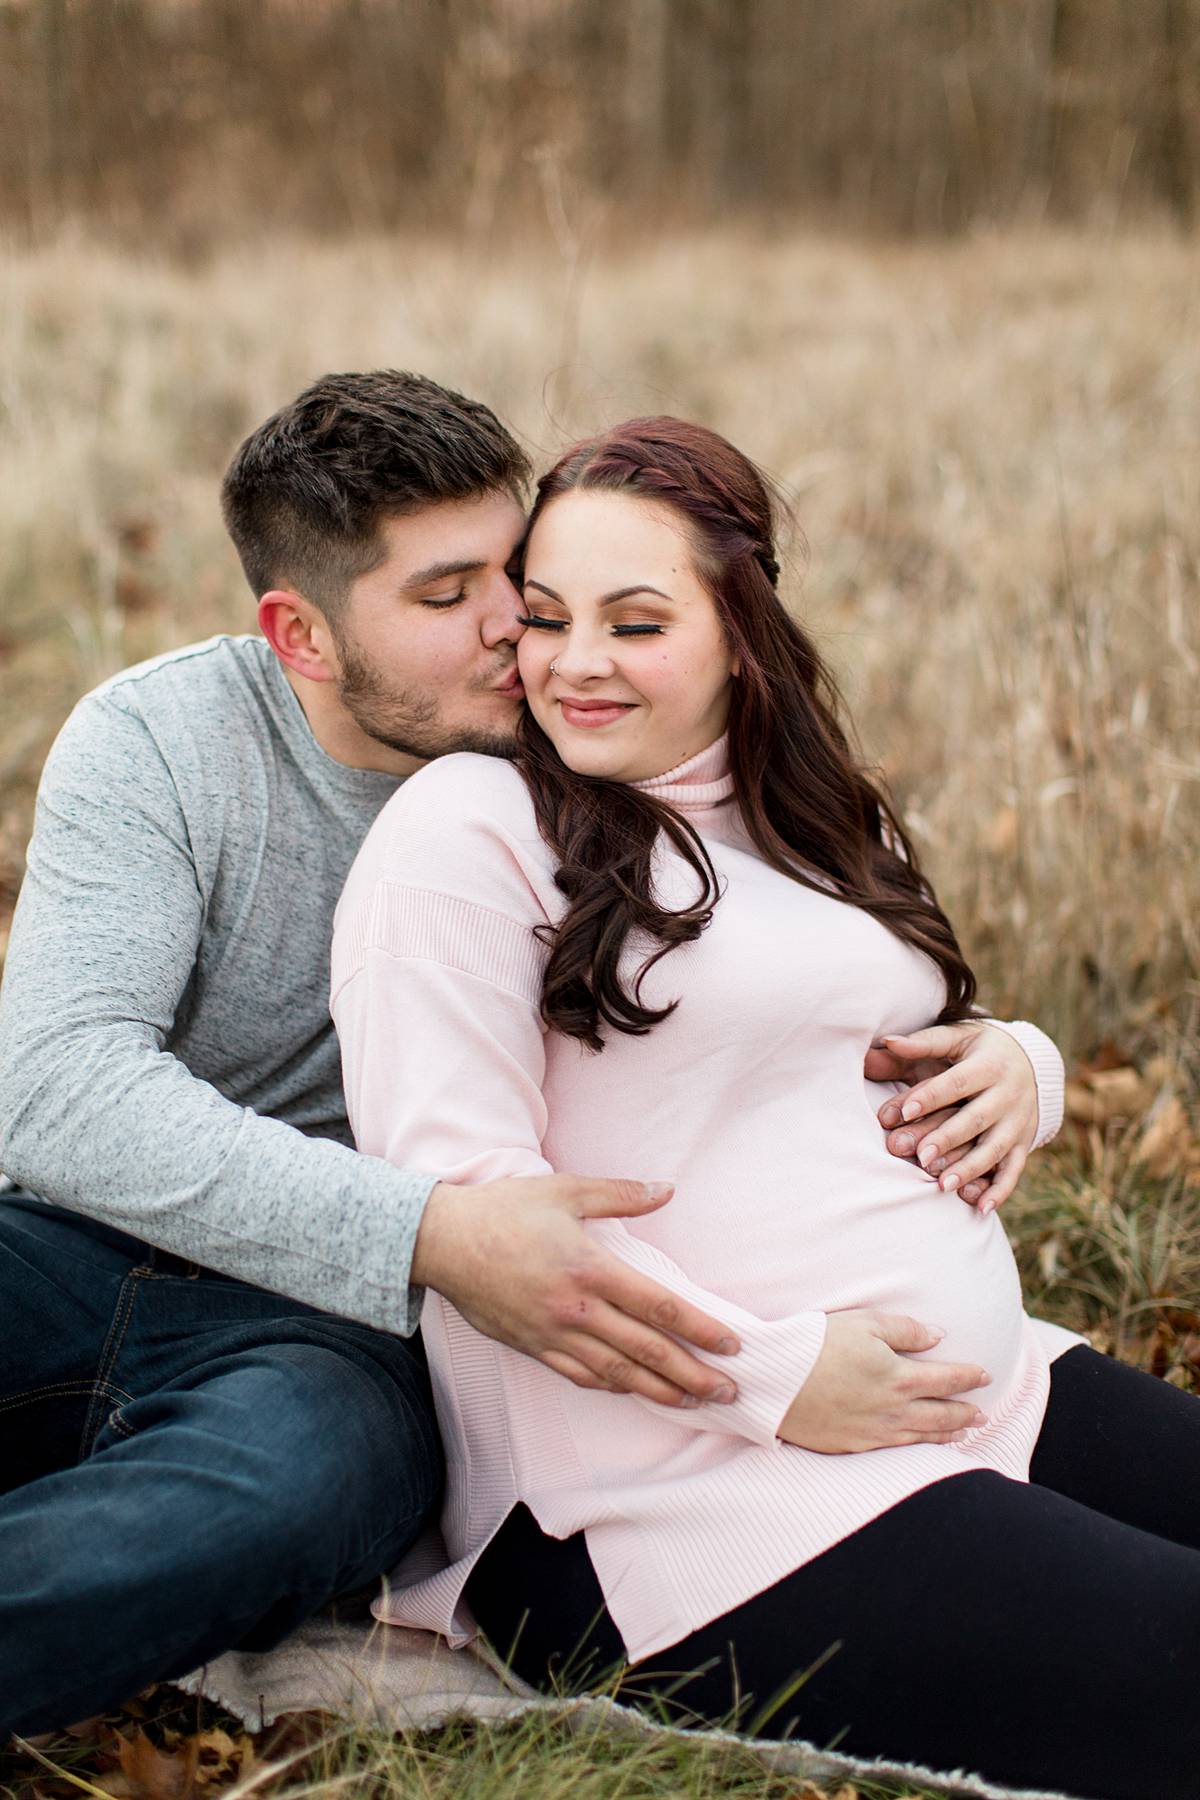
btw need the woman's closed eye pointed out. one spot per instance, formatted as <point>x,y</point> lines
<point>536,622</point>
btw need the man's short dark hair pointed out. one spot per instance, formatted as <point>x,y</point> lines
<point>306,494</point>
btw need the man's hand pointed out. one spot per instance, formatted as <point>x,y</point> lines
<point>866,1391</point>
<point>971,1112</point>
<point>514,1258</point>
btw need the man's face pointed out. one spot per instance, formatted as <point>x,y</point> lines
<point>425,642</point>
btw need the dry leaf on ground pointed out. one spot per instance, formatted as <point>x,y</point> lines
<point>153,1774</point>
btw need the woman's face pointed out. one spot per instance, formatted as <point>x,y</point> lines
<point>642,667</point>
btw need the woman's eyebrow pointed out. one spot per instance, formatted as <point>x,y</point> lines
<point>624,593</point>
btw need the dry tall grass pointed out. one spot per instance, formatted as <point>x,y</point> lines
<point>993,449</point>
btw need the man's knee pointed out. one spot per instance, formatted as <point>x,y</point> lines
<point>313,1459</point>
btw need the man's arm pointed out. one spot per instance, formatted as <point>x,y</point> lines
<point>96,1115</point>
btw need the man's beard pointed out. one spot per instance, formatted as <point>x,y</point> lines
<point>409,719</point>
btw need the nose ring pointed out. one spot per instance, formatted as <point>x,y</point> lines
<point>554,667</point>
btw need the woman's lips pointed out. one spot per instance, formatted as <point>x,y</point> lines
<point>591,713</point>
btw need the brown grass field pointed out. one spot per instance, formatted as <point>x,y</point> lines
<point>993,451</point>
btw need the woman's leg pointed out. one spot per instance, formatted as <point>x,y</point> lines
<point>1124,1443</point>
<point>539,1602</point>
<point>982,1624</point>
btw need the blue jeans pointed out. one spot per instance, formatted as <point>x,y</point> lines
<point>187,1463</point>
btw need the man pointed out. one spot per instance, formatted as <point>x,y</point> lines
<point>217,1415</point>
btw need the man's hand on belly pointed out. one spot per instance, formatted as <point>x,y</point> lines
<point>513,1256</point>
<point>869,1391</point>
<point>971,1110</point>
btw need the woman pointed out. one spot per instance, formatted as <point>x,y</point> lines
<point>661,943</point>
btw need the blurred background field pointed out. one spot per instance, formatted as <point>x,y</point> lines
<point>992,446</point>
<point>933,263</point>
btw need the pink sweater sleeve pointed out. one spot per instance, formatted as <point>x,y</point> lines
<point>436,1001</point>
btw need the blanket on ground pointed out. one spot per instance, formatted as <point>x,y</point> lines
<point>382,1675</point>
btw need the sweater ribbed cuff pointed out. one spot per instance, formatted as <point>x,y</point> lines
<point>776,1359</point>
<point>1047,1070</point>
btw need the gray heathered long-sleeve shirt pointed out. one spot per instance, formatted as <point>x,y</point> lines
<point>167,1060</point>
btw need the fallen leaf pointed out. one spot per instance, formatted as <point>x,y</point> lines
<point>155,1774</point>
<point>1102,1095</point>
<point>222,1759</point>
<point>1167,1142</point>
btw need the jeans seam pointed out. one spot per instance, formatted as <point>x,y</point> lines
<point>108,1356</point>
<point>62,1388</point>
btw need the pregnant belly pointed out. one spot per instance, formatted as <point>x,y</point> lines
<point>939,1262</point>
<point>864,1231</point>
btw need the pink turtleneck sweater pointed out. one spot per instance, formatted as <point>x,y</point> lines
<point>788,1204</point>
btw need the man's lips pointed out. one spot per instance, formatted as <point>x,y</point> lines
<point>511,685</point>
<point>592,713</point>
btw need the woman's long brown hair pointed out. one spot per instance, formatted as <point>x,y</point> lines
<point>811,810</point>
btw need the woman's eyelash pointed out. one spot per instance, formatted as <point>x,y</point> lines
<point>449,600</point>
<point>536,623</point>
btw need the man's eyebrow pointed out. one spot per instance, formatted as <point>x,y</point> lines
<point>624,593</point>
<point>439,571</point>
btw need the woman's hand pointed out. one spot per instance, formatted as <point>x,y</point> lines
<point>868,1391</point>
<point>971,1113</point>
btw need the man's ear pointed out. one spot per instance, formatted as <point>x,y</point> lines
<point>299,634</point>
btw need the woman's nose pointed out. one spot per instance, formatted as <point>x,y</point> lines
<point>584,657</point>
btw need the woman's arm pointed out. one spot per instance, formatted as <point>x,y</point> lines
<point>443,1062</point>
<point>436,989</point>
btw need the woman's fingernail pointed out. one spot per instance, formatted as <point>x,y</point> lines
<point>904,1144</point>
<point>690,1400</point>
<point>889,1114</point>
<point>939,1165</point>
<point>726,1346</point>
<point>986,1206</point>
<point>950,1182</point>
<point>911,1109</point>
<point>660,1190</point>
<point>725,1393</point>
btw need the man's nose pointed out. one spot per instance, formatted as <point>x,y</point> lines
<point>501,622</point>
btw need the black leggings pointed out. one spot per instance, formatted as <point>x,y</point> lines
<point>1042,1635</point>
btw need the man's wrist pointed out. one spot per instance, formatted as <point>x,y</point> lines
<point>429,1257</point>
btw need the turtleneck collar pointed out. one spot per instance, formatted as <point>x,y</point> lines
<point>703,781</point>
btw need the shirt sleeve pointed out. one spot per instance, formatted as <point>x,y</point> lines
<point>97,1115</point>
<point>1048,1073</point>
<point>443,1054</point>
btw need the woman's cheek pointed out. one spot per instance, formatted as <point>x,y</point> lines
<point>532,662</point>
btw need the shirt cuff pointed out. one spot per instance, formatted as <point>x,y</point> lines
<point>776,1358</point>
